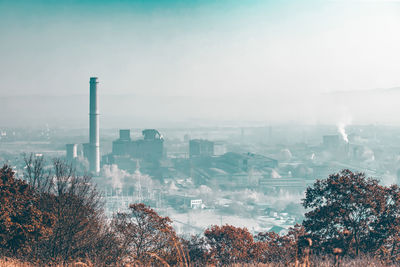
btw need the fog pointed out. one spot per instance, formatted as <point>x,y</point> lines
<point>205,62</point>
<point>119,111</point>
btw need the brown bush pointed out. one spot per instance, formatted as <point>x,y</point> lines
<point>148,238</point>
<point>353,213</point>
<point>80,230</point>
<point>55,216</point>
<point>22,222</point>
<point>228,244</point>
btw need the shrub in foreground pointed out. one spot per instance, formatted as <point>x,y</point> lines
<point>354,215</point>
<point>22,222</point>
<point>148,238</point>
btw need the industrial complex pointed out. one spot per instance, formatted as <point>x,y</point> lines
<point>202,176</point>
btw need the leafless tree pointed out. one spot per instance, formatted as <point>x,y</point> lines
<point>35,173</point>
<point>80,229</point>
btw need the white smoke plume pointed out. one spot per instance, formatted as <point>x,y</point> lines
<point>342,128</point>
<point>120,178</point>
<point>113,173</point>
<point>342,131</point>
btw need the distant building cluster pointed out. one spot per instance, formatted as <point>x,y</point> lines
<point>201,148</point>
<point>208,162</point>
<point>230,169</point>
<point>128,153</point>
<point>151,147</point>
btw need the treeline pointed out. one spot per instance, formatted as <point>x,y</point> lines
<point>54,216</point>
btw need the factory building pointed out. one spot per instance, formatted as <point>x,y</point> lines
<point>86,150</point>
<point>151,147</point>
<point>231,170</point>
<point>247,161</point>
<point>331,141</point>
<point>72,152</point>
<point>201,148</point>
<point>121,146</point>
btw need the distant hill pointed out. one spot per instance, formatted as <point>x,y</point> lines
<point>379,106</point>
<point>370,91</point>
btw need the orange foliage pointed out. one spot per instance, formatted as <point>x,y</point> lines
<point>353,213</point>
<point>148,237</point>
<point>58,219</point>
<point>21,221</point>
<point>229,244</point>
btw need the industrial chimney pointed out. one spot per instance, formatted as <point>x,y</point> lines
<point>94,139</point>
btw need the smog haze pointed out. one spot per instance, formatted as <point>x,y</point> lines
<point>160,62</point>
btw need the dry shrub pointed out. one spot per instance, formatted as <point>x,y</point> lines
<point>323,262</point>
<point>8,262</point>
<point>53,216</point>
<point>147,238</point>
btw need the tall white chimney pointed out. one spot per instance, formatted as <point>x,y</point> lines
<point>94,139</point>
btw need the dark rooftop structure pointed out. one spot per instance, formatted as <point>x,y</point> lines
<point>200,147</point>
<point>151,147</point>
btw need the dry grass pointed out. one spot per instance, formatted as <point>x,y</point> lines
<point>7,262</point>
<point>365,262</point>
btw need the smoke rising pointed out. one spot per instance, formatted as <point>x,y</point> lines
<point>342,127</point>
<point>342,131</point>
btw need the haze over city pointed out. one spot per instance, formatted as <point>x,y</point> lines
<point>199,133</point>
<point>187,61</point>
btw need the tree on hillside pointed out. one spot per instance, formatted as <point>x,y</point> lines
<point>147,237</point>
<point>35,173</point>
<point>22,222</point>
<point>79,230</point>
<point>386,235</point>
<point>347,211</point>
<point>197,248</point>
<point>229,244</point>
<point>273,247</point>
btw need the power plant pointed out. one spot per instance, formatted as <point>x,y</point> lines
<point>94,139</point>
<point>72,152</point>
<point>150,149</point>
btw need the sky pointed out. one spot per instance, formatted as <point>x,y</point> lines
<point>218,60</point>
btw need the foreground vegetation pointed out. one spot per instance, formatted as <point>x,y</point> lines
<point>321,263</point>
<point>55,217</point>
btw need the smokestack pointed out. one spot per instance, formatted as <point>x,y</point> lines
<point>94,139</point>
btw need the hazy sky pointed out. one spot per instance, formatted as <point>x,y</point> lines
<point>246,59</point>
